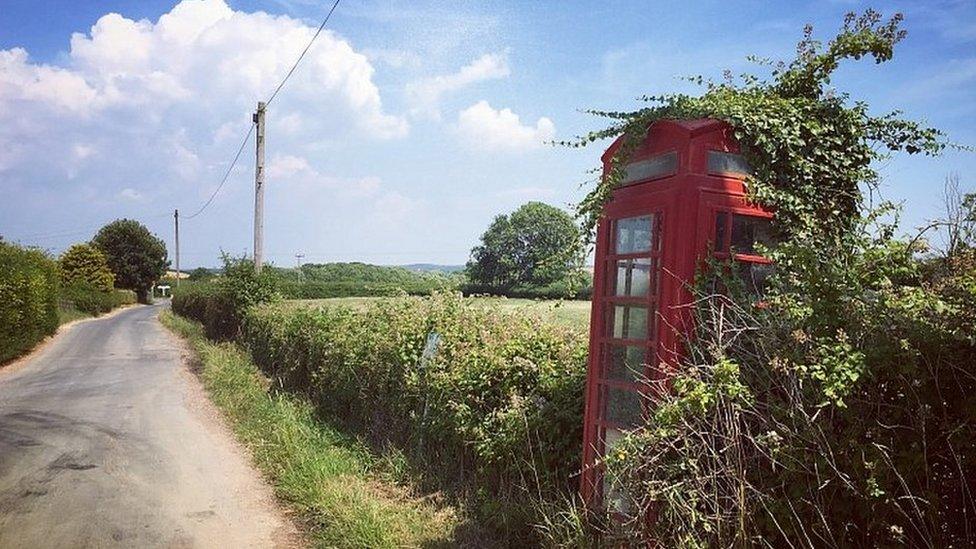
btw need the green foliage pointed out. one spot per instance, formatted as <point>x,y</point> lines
<point>838,410</point>
<point>135,256</point>
<point>200,274</point>
<point>537,246</point>
<point>93,300</point>
<point>811,148</point>
<point>220,304</point>
<point>564,289</point>
<point>317,281</point>
<point>83,263</point>
<point>329,479</point>
<point>28,299</point>
<point>496,407</point>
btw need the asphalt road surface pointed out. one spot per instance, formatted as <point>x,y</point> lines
<point>108,440</point>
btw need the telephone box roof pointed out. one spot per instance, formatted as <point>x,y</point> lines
<point>691,128</point>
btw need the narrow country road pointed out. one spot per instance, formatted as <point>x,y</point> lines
<point>107,440</point>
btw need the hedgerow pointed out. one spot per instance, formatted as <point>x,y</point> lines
<point>93,300</point>
<point>220,304</point>
<point>28,299</point>
<point>495,406</point>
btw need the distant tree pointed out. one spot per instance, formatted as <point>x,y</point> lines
<point>84,263</point>
<point>537,245</point>
<point>136,256</point>
<point>200,273</point>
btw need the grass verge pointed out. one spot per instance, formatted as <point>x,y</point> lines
<point>330,479</point>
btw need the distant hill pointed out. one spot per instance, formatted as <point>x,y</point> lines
<point>431,267</point>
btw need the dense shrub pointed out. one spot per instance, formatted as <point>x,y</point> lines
<point>220,304</point>
<point>93,300</point>
<point>84,263</point>
<point>842,410</point>
<point>28,299</point>
<point>498,406</point>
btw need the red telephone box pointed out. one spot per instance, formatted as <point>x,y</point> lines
<point>681,199</point>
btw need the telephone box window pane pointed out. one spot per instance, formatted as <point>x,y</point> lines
<point>629,322</point>
<point>722,162</point>
<point>634,234</point>
<point>754,276</point>
<point>721,227</point>
<point>657,166</point>
<point>610,439</point>
<point>623,407</point>
<point>747,230</point>
<point>633,277</point>
<point>627,363</point>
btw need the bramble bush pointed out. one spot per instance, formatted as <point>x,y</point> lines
<point>495,409</point>
<point>221,303</point>
<point>28,299</point>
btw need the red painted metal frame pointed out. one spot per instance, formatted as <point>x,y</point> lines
<point>685,205</point>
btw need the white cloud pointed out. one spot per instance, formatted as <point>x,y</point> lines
<point>482,127</point>
<point>128,84</point>
<point>425,95</point>
<point>131,195</point>
<point>286,166</point>
<point>296,170</point>
<point>82,152</point>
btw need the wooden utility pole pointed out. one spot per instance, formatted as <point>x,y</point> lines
<point>259,190</point>
<point>176,221</point>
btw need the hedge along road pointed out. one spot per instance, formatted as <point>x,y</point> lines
<point>107,439</point>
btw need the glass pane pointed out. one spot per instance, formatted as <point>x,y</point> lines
<point>623,407</point>
<point>721,226</point>
<point>634,234</point>
<point>614,497</point>
<point>747,230</point>
<point>630,322</point>
<point>626,363</point>
<point>633,277</point>
<point>722,162</point>
<point>610,439</point>
<point>753,276</point>
<point>657,166</point>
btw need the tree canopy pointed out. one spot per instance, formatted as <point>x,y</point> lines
<point>537,245</point>
<point>136,256</point>
<point>86,264</point>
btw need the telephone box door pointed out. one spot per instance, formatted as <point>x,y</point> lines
<point>624,345</point>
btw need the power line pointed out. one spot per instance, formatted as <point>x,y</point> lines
<point>233,163</point>
<point>250,130</point>
<point>300,57</point>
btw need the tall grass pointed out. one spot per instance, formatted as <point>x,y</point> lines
<point>337,487</point>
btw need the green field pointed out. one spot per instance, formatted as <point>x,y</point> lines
<point>568,313</point>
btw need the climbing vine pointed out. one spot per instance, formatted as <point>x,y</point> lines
<point>811,148</point>
<point>838,411</point>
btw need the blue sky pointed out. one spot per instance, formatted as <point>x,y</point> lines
<point>409,126</point>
